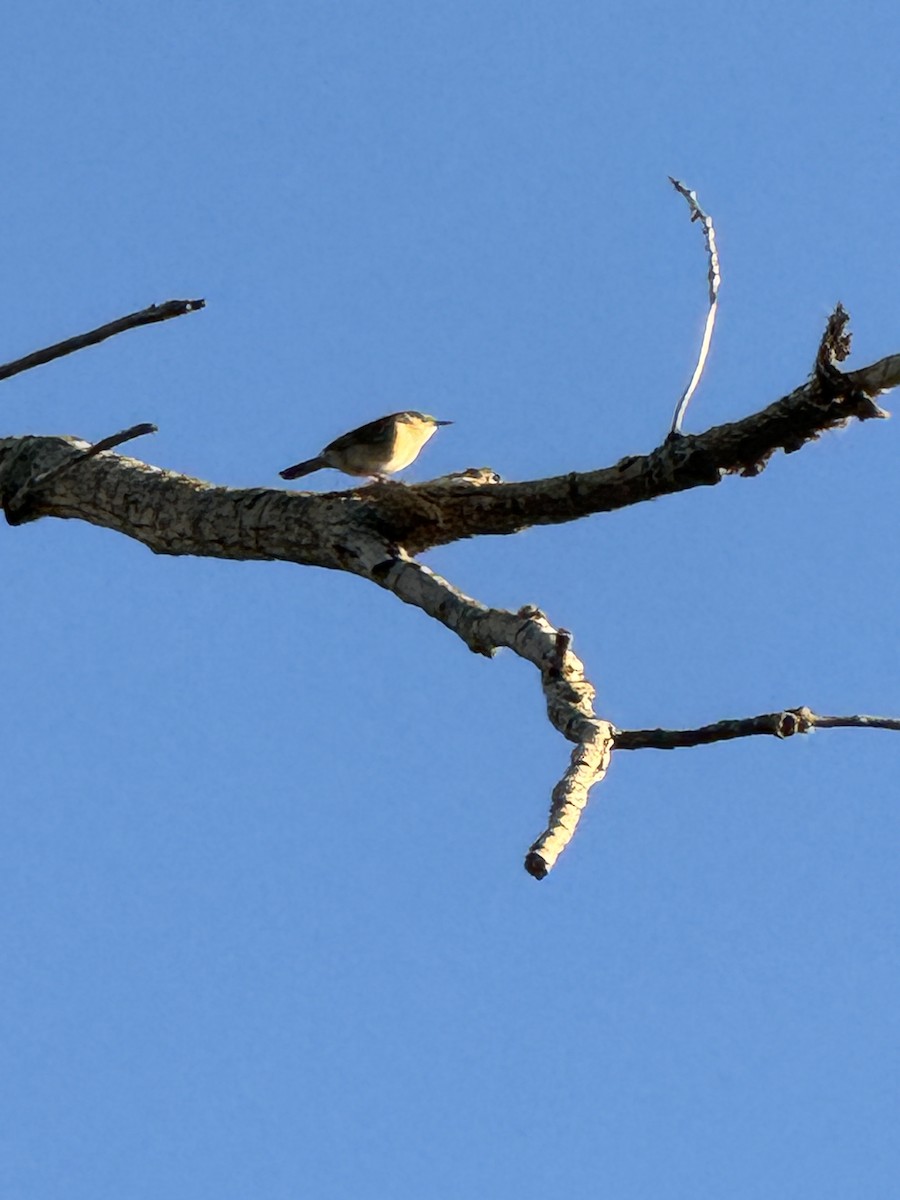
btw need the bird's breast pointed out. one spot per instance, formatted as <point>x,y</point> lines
<point>408,441</point>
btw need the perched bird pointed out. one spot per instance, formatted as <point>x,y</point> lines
<point>378,449</point>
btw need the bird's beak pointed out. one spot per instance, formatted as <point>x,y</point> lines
<point>443,422</point>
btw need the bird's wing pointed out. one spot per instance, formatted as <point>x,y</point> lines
<point>374,431</point>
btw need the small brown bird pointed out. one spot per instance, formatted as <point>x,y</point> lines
<point>378,449</point>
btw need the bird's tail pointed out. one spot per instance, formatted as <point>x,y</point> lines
<point>303,468</point>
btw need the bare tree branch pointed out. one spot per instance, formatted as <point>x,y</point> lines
<point>715,278</point>
<point>147,316</point>
<point>568,694</point>
<point>778,724</point>
<point>857,722</point>
<point>119,439</point>
<point>376,531</point>
<point>877,378</point>
<point>426,515</point>
<point>24,498</point>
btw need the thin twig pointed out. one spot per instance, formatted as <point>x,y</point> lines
<point>857,722</point>
<point>778,724</point>
<point>147,316</point>
<point>715,278</point>
<point>26,493</point>
<point>116,439</point>
<point>107,443</point>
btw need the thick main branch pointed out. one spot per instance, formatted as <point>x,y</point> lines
<point>174,514</point>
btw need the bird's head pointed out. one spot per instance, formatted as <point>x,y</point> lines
<point>420,420</point>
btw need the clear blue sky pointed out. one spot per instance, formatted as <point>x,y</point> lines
<point>264,926</point>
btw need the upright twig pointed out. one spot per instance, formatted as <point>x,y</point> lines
<point>709,233</point>
<point>147,316</point>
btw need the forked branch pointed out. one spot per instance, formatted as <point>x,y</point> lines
<point>376,531</point>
